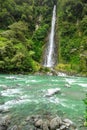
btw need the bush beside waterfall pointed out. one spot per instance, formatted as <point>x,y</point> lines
<point>72,21</point>
<point>85,116</point>
<point>23,28</point>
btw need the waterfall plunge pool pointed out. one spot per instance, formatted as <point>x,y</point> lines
<point>23,95</point>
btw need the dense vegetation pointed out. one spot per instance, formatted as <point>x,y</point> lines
<point>85,116</point>
<point>24,27</point>
<point>72,17</point>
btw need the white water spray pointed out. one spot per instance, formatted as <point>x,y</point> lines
<point>49,59</point>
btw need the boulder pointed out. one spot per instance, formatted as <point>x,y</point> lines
<point>67,86</point>
<point>73,127</point>
<point>45,126</point>
<point>52,91</point>
<point>39,123</point>
<point>28,119</point>
<point>4,87</point>
<point>31,119</point>
<point>55,123</point>
<point>4,121</point>
<point>62,127</point>
<point>67,122</point>
<point>49,73</point>
<point>37,117</point>
<point>3,127</point>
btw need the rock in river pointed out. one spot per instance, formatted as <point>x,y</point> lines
<point>52,91</point>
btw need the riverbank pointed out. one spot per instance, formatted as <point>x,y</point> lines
<point>59,70</point>
<point>48,71</point>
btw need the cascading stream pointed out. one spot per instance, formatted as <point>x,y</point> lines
<point>49,57</point>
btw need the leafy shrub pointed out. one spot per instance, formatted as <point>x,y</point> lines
<point>85,102</point>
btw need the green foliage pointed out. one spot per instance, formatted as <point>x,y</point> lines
<point>83,25</point>
<point>38,37</point>
<point>85,102</point>
<point>41,33</point>
<point>21,42</point>
<point>72,10</point>
<point>72,17</point>
<point>68,29</point>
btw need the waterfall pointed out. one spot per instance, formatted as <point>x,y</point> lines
<point>49,60</point>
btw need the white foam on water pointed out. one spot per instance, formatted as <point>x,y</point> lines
<point>11,103</point>
<point>24,97</point>
<point>83,85</point>
<point>54,100</point>
<point>2,85</point>
<point>4,107</point>
<point>55,80</point>
<point>62,74</point>
<point>15,102</point>
<point>10,77</point>
<point>21,100</point>
<point>57,100</point>
<point>10,92</point>
<point>14,78</point>
<point>72,106</point>
<point>33,81</point>
<point>62,102</point>
<point>64,105</point>
<point>70,81</point>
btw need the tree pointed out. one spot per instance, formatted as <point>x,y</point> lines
<point>83,25</point>
<point>72,11</point>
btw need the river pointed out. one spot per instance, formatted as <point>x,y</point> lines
<point>23,95</point>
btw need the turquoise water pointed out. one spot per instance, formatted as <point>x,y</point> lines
<point>25,95</point>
